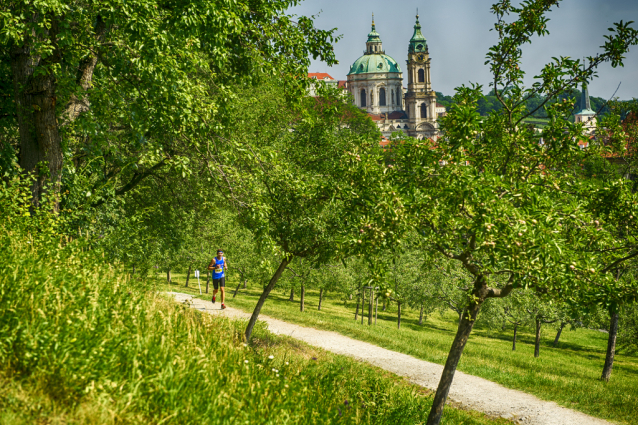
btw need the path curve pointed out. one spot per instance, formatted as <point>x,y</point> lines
<point>469,391</point>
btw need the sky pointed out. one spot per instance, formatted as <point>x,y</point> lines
<point>459,36</point>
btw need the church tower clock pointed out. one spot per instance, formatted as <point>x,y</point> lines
<point>420,99</point>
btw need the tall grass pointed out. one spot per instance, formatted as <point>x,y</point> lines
<point>80,342</point>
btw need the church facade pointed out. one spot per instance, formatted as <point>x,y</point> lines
<point>375,82</point>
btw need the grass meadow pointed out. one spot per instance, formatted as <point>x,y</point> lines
<point>568,374</point>
<point>83,343</point>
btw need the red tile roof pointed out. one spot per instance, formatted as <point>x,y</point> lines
<point>342,84</point>
<point>396,115</point>
<point>319,75</point>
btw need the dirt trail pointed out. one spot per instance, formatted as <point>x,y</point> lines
<point>470,391</point>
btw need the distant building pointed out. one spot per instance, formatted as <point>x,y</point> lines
<point>375,82</point>
<point>585,114</point>
<point>320,76</point>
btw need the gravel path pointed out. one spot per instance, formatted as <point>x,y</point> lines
<point>469,391</point>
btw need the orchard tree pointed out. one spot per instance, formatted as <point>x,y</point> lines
<point>295,171</point>
<point>498,197</point>
<point>614,208</point>
<point>498,312</point>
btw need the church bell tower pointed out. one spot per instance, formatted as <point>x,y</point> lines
<point>420,99</point>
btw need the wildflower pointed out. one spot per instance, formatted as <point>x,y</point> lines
<point>277,375</point>
<point>339,411</point>
<point>271,357</point>
<point>246,361</point>
<point>286,363</point>
<point>314,358</point>
<point>273,369</point>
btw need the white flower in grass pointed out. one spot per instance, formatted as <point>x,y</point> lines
<point>277,375</point>
<point>286,363</point>
<point>271,357</point>
<point>273,370</point>
<point>246,361</point>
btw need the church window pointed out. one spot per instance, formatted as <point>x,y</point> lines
<point>392,96</point>
<point>381,96</point>
<point>421,75</point>
<point>424,111</point>
<point>398,97</point>
<point>419,47</point>
<point>363,97</point>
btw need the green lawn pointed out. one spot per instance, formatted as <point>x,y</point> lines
<point>567,374</point>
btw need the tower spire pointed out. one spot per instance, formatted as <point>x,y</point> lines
<point>585,103</point>
<point>373,45</point>
<point>418,42</point>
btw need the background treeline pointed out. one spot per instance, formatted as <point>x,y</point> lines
<point>490,103</point>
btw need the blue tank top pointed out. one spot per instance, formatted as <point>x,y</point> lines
<point>218,271</point>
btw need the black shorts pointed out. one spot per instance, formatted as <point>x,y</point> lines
<point>219,282</point>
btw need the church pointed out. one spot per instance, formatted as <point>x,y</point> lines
<point>375,82</point>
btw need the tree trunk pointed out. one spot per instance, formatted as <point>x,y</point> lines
<point>611,347</point>
<point>350,297</point>
<point>236,290</point>
<point>303,295</point>
<point>292,294</point>
<point>514,341</point>
<point>207,280</point>
<point>356,312</point>
<point>188,275</point>
<point>320,298</point>
<point>421,316</point>
<point>168,275</point>
<point>398,315</point>
<point>264,295</point>
<point>537,343</point>
<point>460,315</point>
<point>383,308</point>
<point>363,303</point>
<point>35,98</point>
<point>560,330</point>
<point>245,280</point>
<point>370,309</point>
<point>376,308</point>
<point>462,334</point>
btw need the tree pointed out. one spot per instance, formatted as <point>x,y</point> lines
<point>511,309</point>
<point>146,76</point>
<point>500,199</point>
<point>294,173</point>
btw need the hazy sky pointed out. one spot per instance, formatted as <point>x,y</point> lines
<point>458,34</point>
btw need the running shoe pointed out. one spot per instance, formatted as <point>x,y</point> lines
<point>223,306</point>
<point>213,299</point>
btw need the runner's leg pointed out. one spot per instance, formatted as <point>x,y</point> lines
<point>222,287</point>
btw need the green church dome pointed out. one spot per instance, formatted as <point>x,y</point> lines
<point>368,64</point>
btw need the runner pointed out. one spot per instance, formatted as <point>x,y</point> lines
<point>219,265</point>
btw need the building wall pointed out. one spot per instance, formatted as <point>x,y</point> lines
<point>372,84</point>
